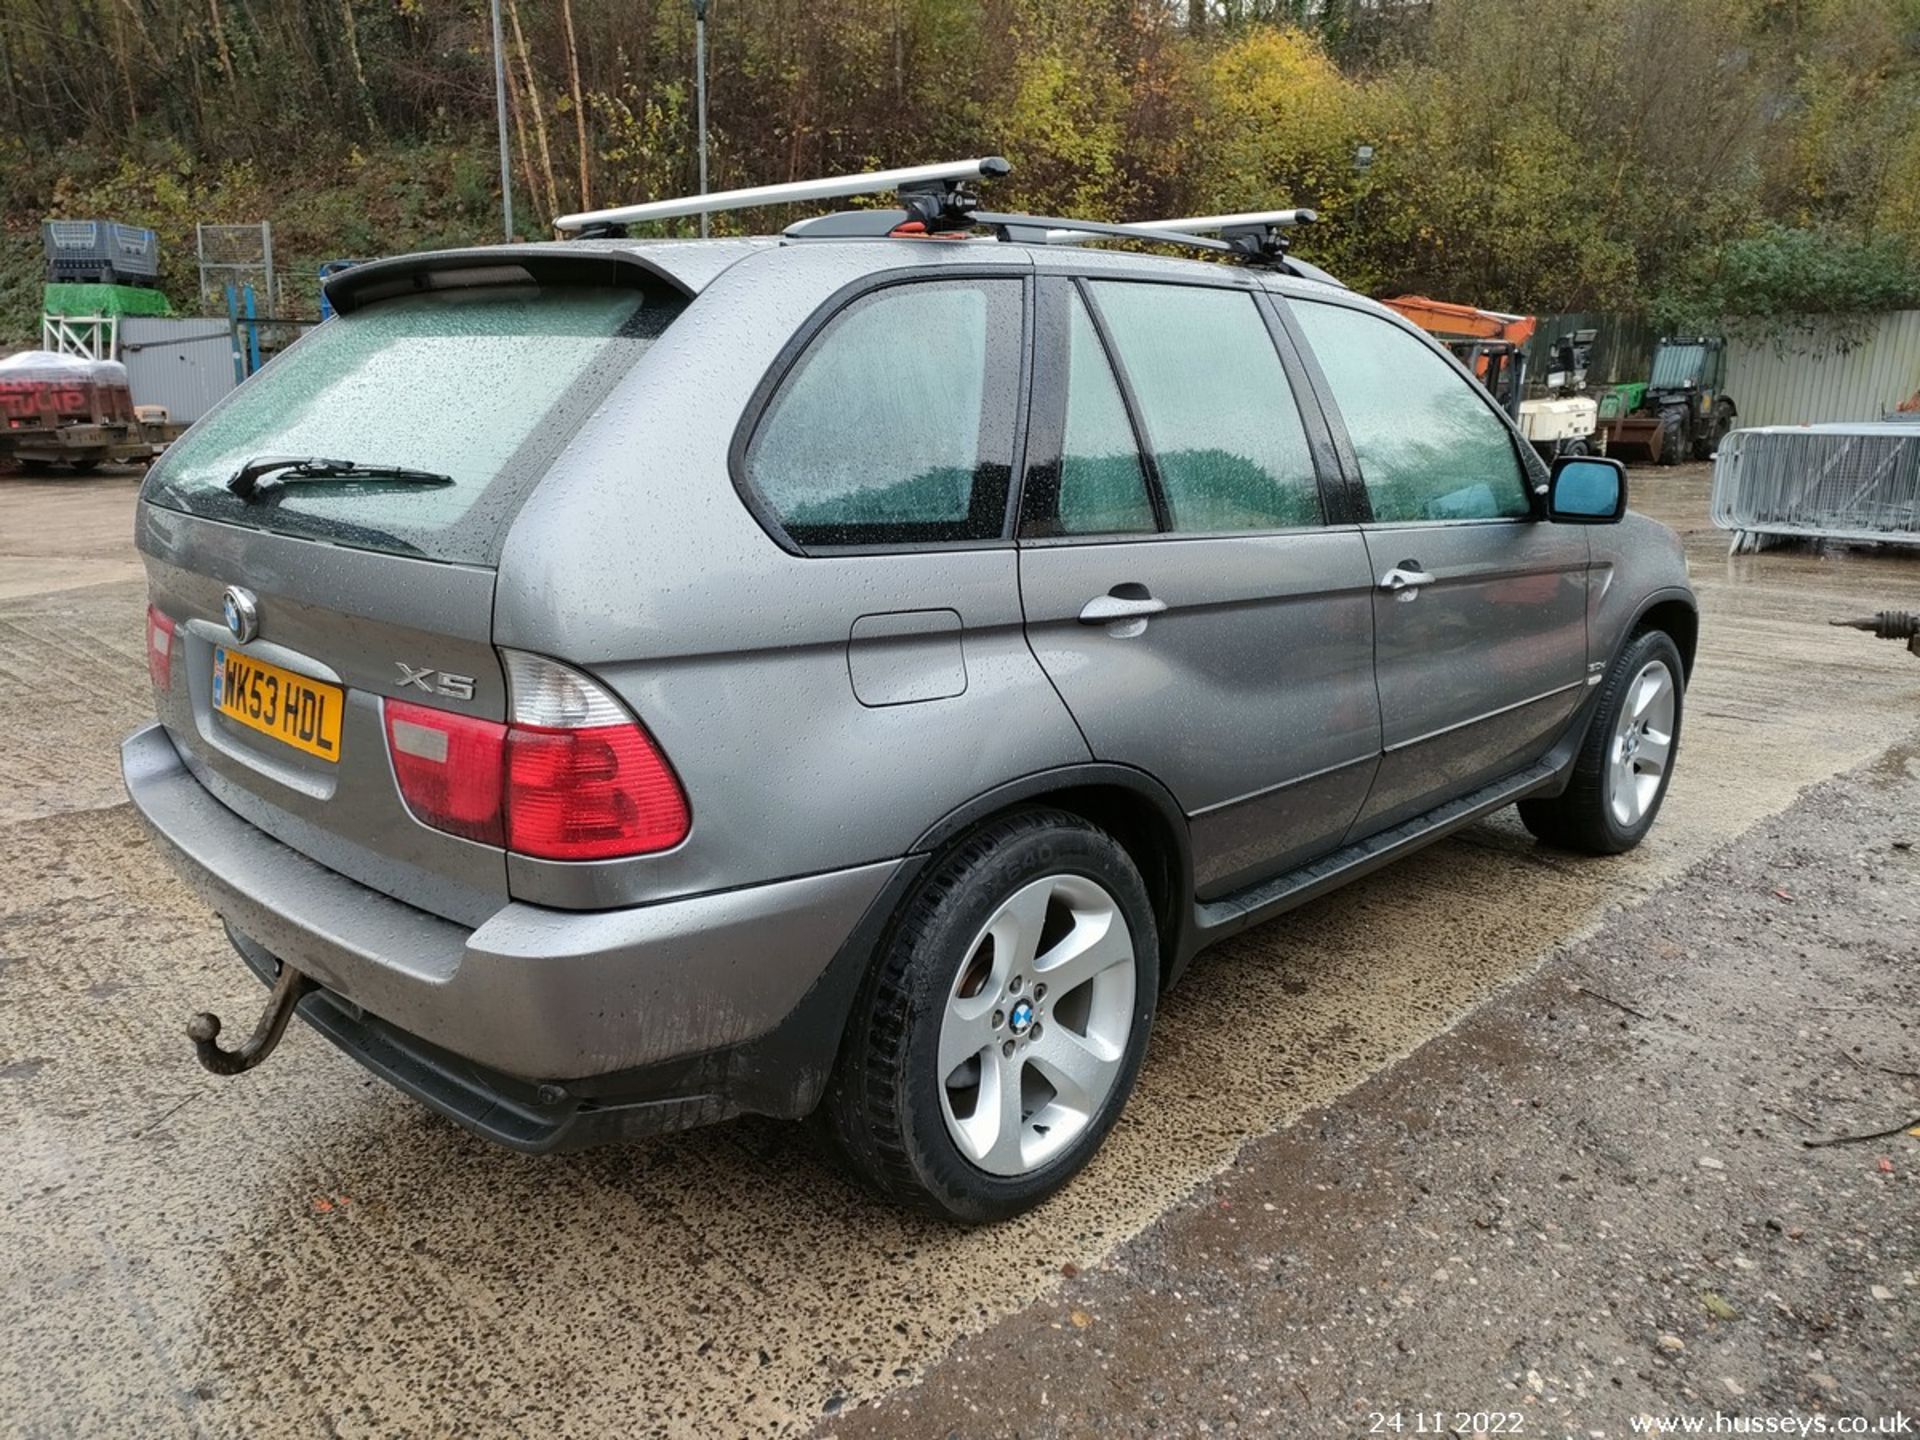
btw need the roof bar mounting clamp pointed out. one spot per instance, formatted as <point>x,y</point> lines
<point>948,204</point>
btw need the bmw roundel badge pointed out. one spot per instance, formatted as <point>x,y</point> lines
<point>241,612</point>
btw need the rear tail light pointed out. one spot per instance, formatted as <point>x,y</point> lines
<point>450,768</point>
<point>159,649</point>
<point>571,776</point>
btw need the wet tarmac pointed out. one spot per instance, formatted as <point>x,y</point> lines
<point>301,1250</point>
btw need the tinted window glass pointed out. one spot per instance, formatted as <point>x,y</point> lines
<point>897,424</point>
<point>1219,416</point>
<point>1675,366</point>
<point>1103,487</point>
<point>1429,443</point>
<point>482,384</point>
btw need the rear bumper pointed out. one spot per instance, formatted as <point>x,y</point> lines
<point>611,1004</point>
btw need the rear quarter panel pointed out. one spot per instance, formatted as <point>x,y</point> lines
<point>638,560</point>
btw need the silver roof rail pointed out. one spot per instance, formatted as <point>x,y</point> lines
<point>947,186</point>
<point>1256,236</point>
<point>1249,222</point>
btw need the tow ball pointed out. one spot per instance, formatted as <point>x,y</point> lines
<point>204,1029</point>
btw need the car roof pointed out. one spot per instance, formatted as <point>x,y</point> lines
<point>690,265</point>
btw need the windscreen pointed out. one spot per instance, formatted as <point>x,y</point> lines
<point>483,385</point>
<point>1675,366</point>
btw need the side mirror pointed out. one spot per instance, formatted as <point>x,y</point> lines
<point>1587,490</point>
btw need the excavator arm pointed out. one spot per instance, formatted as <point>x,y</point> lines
<point>1463,322</point>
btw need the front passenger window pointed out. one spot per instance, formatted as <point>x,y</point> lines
<point>1429,443</point>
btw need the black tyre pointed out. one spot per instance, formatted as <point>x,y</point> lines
<point>1716,431</point>
<point>1676,441</point>
<point>84,467</point>
<point>1626,758</point>
<point>1000,1033</point>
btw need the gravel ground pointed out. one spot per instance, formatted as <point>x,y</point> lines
<point>301,1250</point>
<point>1593,1200</point>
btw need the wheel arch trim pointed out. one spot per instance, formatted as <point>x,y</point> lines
<point>1668,599</point>
<point>1168,873</point>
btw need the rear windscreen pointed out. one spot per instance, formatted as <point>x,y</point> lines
<point>484,385</point>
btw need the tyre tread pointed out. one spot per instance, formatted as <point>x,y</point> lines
<point>865,1107</point>
<point>1576,819</point>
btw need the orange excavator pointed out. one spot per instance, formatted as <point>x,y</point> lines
<point>1492,344</point>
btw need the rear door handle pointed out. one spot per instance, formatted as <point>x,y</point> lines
<point>1125,616</point>
<point>1105,609</point>
<point>1406,577</point>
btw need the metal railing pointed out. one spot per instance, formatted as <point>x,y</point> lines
<point>1819,482</point>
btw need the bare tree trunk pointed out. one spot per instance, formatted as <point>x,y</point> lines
<point>119,46</point>
<point>579,101</point>
<point>520,139</point>
<point>539,113</point>
<point>220,40</point>
<point>352,35</point>
<point>6,80</point>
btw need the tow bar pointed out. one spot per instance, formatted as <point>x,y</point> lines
<point>204,1029</point>
<point>1889,625</point>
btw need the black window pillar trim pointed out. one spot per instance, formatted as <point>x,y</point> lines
<point>1343,499</point>
<point>1142,444</point>
<point>1024,401</point>
<point>1036,486</point>
<point>1344,489</point>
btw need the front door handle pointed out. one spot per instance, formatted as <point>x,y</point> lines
<point>1405,579</point>
<point>1124,615</point>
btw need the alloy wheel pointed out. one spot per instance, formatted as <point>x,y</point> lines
<point>1642,744</point>
<point>1036,1025</point>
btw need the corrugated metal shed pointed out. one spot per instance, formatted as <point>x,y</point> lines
<point>1785,384</point>
<point>183,364</point>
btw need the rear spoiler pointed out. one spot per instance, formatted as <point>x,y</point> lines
<point>685,269</point>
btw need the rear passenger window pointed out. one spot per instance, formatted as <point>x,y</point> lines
<point>896,426</point>
<point>1429,443</point>
<point>1219,416</point>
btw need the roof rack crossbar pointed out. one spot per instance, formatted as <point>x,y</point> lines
<point>940,190</point>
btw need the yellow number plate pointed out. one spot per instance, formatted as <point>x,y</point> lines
<point>301,712</point>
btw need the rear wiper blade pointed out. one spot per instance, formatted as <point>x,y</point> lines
<point>277,470</point>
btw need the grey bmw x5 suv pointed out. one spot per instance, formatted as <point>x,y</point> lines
<point>855,675</point>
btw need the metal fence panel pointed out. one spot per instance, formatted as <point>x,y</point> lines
<point>1780,383</point>
<point>183,364</point>
<point>1830,482</point>
<point>1622,351</point>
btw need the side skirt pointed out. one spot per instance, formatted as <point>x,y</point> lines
<point>1217,919</point>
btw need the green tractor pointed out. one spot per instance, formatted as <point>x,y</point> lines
<point>1679,413</point>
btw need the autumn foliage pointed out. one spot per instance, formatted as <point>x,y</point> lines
<point>1585,154</point>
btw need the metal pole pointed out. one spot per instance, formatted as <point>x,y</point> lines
<point>266,254</point>
<point>700,90</point>
<point>500,112</point>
